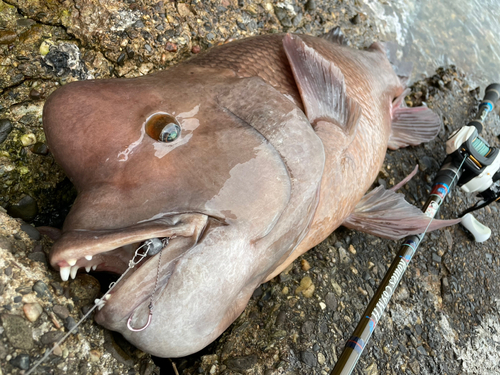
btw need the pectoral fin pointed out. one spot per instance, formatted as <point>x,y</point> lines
<point>385,213</point>
<point>412,126</point>
<point>321,86</point>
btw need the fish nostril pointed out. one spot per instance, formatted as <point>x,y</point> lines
<point>162,127</point>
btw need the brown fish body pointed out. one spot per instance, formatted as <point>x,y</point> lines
<point>263,170</point>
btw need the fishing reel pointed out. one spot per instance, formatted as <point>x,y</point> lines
<point>477,164</point>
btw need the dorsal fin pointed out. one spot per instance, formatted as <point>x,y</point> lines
<point>335,35</point>
<point>321,86</point>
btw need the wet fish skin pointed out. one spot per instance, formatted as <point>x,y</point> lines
<point>257,178</point>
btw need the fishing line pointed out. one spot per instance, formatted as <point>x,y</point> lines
<point>100,302</point>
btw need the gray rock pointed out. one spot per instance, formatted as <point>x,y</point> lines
<point>5,129</point>
<point>331,301</point>
<point>25,209</point>
<point>61,311</point>
<point>241,363</point>
<point>308,358</point>
<point>41,289</point>
<point>18,331</point>
<point>51,337</point>
<point>22,361</point>
<point>31,231</point>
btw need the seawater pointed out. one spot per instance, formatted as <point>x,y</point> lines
<point>434,33</point>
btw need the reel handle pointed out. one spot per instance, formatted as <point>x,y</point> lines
<point>479,231</point>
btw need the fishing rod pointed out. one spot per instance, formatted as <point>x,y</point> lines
<point>472,165</point>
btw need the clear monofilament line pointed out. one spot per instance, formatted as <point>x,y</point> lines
<point>97,303</point>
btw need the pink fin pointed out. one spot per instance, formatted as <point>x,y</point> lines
<point>385,213</point>
<point>321,85</point>
<point>412,126</point>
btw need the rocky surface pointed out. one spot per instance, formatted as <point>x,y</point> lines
<point>444,318</point>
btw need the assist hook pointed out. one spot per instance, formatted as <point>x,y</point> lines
<point>154,246</point>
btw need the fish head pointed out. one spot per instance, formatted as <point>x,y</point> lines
<point>211,192</point>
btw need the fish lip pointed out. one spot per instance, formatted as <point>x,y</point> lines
<point>77,243</point>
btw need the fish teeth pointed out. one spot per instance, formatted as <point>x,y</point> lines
<point>65,271</point>
<point>99,303</point>
<point>74,270</point>
<point>87,268</point>
<point>71,262</point>
<point>94,267</point>
<point>88,257</point>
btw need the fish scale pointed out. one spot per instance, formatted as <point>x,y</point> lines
<point>261,56</point>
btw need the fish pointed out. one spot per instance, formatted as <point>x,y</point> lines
<point>234,162</point>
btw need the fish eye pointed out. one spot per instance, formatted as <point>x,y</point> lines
<point>163,127</point>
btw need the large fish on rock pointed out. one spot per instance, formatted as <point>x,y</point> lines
<point>243,158</point>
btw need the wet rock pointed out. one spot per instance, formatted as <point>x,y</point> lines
<point>18,331</point>
<point>241,363</point>
<point>344,256</point>
<point>61,311</point>
<point>51,337</point>
<point>306,287</point>
<point>311,5</point>
<point>308,358</point>
<point>22,361</point>
<point>7,36</point>
<point>32,311</point>
<point>25,209</point>
<point>40,148</point>
<point>5,129</point>
<point>331,301</point>
<point>38,256</point>
<point>31,231</point>
<point>70,324</point>
<point>41,289</point>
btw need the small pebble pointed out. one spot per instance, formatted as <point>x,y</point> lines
<point>18,299</point>
<point>5,129</point>
<point>61,311</point>
<point>41,289</point>
<point>22,361</point>
<point>31,231</point>
<point>171,47</point>
<point>196,49</point>
<point>305,265</point>
<point>51,337</point>
<point>35,94</point>
<point>70,324</point>
<point>25,209</point>
<point>7,36</point>
<point>321,358</point>
<point>306,287</point>
<point>94,355</point>
<point>57,350</point>
<point>40,148</point>
<point>308,358</point>
<point>28,139</point>
<point>352,250</point>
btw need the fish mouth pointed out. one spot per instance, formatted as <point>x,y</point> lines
<point>113,250</point>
